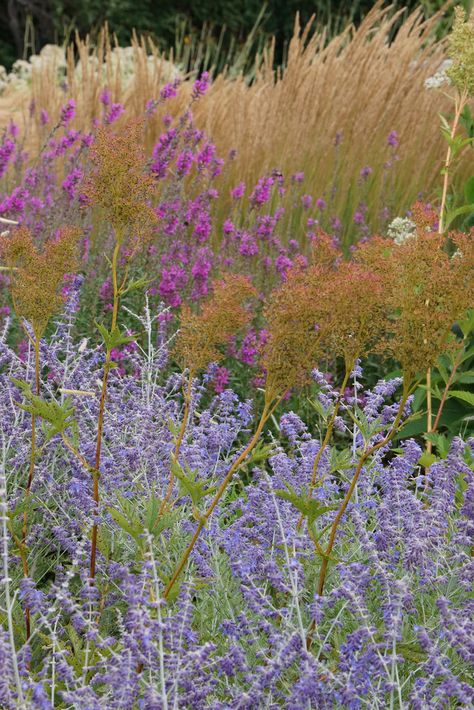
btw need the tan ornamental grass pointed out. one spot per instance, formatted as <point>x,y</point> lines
<point>359,86</point>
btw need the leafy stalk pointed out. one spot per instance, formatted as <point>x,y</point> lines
<point>267,411</point>
<point>326,439</point>
<point>179,441</point>
<point>100,420</point>
<point>33,453</point>
<point>407,391</point>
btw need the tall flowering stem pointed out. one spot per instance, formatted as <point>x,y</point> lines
<point>100,419</point>
<point>122,189</point>
<point>461,74</point>
<point>179,441</point>
<point>24,532</point>
<point>367,453</point>
<point>36,279</point>
<point>200,341</point>
<point>459,105</point>
<point>326,440</point>
<point>267,412</point>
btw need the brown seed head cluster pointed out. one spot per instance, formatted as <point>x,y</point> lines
<point>202,336</point>
<point>37,278</point>
<point>427,291</point>
<point>119,183</point>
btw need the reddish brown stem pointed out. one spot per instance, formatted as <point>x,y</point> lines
<point>326,439</point>
<point>335,525</point>
<point>446,389</point>
<point>266,414</point>
<point>31,472</point>
<point>179,441</point>
<point>100,420</point>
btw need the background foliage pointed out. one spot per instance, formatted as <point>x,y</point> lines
<point>27,25</point>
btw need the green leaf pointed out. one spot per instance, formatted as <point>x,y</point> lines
<point>469,190</point>
<point>426,459</point>
<point>133,528</point>
<point>452,214</point>
<point>309,507</point>
<point>463,396</point>
<point>467,121</point>
<point>137,284</point>
<point>59,416</point>
<point>196,490</point>
<point>461,488</point>
<point>442,443</point>
<point>113,339</point>
<point>22,384</point>
<point>411,652</point>
<point>466,378</point>
<point>467,323</point>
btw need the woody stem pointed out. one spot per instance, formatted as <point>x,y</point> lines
<point>24,532</point>
<point>100,420</point>
<point>266,414</point>
<point>326,439</point>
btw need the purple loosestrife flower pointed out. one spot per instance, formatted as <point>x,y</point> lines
<point>201,85</point>
<point>262,191</point>
<point>297,177</point>
<point>238,192</point>
<point>70,184</point>
<point>68,112</point>
<point>7,150</point>
<point>393,140</point>
<point>116,110</point>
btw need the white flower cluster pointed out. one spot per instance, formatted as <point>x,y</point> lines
<point>401,229</point>
<point>122,62</point>
<point>20,75</point>
<point>440,78</point>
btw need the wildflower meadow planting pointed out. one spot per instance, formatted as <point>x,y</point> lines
<point>237,375</point>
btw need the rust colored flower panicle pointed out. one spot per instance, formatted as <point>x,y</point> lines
<point>202,335</point>
<point>37,277</point>
<point>425,217</point>
<point>324,251</point>
<point>297,314</point>
<point>358,313</point>
<point>427,291</point>
<point>119,183</point>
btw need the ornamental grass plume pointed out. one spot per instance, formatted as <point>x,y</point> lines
<point>36,281</point>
